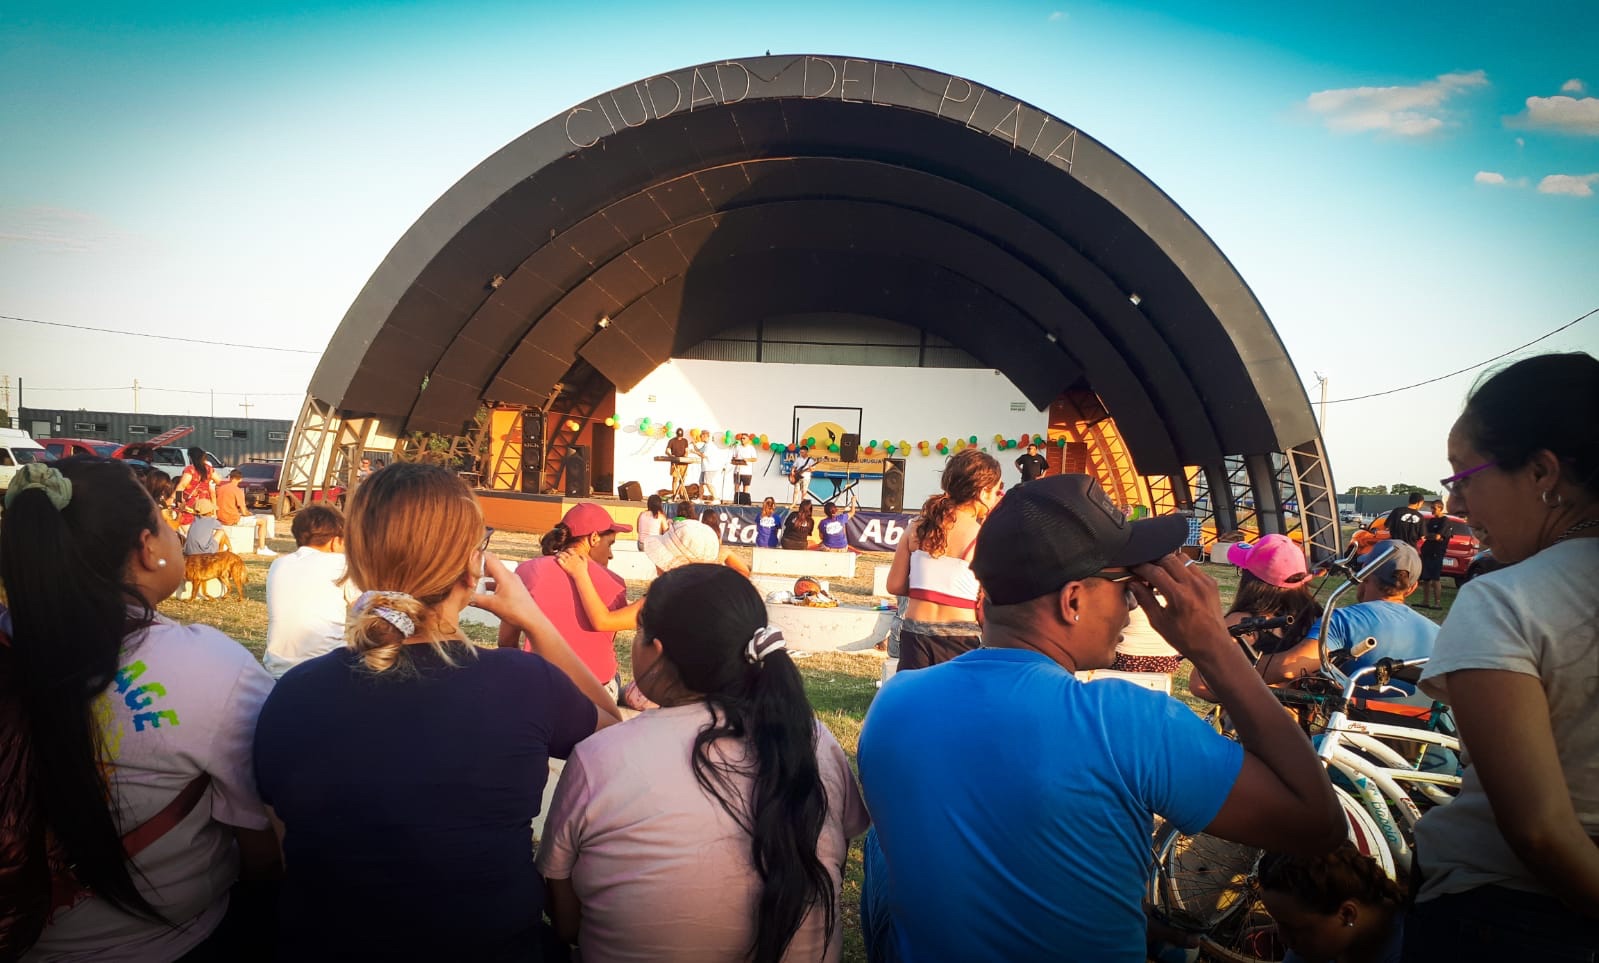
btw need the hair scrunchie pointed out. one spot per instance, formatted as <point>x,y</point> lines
<point>56,486</point>
<point>766,640</point>
<point>394,617</point>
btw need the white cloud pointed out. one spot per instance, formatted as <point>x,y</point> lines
<point>1412,111</point>
<point>56,229</point>
<point>1574,86</point>
<point>1575,185</point>
<point>1490,177</point>
<point>1057,16</point>
<point>1571,115</point>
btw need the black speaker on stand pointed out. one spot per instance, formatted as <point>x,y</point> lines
<point>894,485</point>
<point>630,492</point>
<point>577,472</point>
<point>849,448</point>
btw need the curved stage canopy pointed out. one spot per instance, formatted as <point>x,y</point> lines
<point>641,222</point>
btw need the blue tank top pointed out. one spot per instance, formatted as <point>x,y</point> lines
<point>834,532</point>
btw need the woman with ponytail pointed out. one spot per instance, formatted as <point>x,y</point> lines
<point>714,828</point>
<point>406,769</point>
<point>1337,908</point>
<point>932,564</point>
<point>127,806</point>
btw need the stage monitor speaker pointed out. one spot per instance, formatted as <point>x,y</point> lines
<point>577,472</point>
<point>631,492</point>
<point>849,448</point>
<point>894,485</point>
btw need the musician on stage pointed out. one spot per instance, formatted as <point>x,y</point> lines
<point>744,458</point>
<point>799,473</point>
<point>711,467</point>
<point>677,450</point>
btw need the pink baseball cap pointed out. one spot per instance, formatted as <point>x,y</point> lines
<point>586,518</point>
<point>1275,560</point>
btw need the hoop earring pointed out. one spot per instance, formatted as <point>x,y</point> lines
<point>1544,497</point>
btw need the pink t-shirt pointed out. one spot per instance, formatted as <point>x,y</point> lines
<point>661,870</point>
<point>556,595</point>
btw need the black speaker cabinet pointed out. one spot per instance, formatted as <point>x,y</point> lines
<point>631,492</point>
<point>894,485</point>
<point>577,472</point>
<point>849,448</point>
<point>532,451</point>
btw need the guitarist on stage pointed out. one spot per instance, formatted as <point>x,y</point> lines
<point>799,473</point>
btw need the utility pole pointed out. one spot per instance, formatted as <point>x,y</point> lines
<point>135,395</point>
<point>1321,414</point>
<point>246,406</point>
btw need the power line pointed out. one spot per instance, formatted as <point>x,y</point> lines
<point>1461,371</point>
<point>181,391</point>
<point>157,337</point>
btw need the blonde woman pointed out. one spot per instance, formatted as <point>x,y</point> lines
<point>932,563</point>
<point>405,769</point>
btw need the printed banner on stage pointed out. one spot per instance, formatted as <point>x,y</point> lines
<point>868,531</point>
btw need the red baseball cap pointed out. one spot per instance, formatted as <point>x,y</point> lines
<point>586,518</point>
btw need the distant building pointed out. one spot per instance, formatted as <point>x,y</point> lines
<point>1374,505</point>
<point>233,440</point>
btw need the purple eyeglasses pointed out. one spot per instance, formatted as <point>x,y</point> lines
<point>1452,485</point>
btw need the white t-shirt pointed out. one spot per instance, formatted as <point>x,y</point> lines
<point>306,608</point>
<point>1540,618</point>
<point>184,701</point>
<point>748,454</point>
<point>715,457</point>
<point>661,870</point>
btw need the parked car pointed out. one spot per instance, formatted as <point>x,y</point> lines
<point>67,447</point>
<point>18,449</point>
<point>170,459</point>
<point>1463,546</point>
<point>260,481</point>
<point>1481,564</point>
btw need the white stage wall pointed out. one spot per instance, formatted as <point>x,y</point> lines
<point>898,403</point>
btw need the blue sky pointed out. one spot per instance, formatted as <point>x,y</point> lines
<point>1407,191</point>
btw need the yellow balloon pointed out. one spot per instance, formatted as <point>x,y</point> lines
<point>904,444</point>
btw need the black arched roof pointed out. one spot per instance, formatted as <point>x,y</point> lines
<point>649,218</point>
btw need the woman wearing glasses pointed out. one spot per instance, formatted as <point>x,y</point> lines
<point>932,564</point>
<point>405,769</point>
<point>1510,869</point>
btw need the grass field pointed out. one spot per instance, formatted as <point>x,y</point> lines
<point>840,685</point>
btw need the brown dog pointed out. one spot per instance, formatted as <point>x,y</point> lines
<point>225,567</point>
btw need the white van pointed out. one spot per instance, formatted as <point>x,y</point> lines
<point>16,450</point>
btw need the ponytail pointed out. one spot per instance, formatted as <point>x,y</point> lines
<point>558,539</point>
<point>710,623</point>
<point>1323,883</point>
<point>380,625</point>
<point>932,528</point>
<point>71,609</point>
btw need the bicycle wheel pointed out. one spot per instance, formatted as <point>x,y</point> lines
<point>1210,884</point>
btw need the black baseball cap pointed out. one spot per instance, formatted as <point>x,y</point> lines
<point>1059,529</point>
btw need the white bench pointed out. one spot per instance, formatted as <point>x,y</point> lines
<point>880,582</point>
<point>846,627</point>
<point>1154,681</point>
<point>794,563</point>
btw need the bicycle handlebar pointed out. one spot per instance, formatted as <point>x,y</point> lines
<point>1259,624</point>
<point>1375,557</point>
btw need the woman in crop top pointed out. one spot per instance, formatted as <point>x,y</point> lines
<point>931,564</point>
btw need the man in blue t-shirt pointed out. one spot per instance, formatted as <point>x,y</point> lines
<point>1012,803</point>
<point>1382,614</point>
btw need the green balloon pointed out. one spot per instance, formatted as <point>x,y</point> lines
<point>779,447</point>
<point>832,448</point>
<point>810,442</point>
<point>873,444</point>
<point>972,440</point>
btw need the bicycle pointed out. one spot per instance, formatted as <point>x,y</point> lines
<point>1208,884</point>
